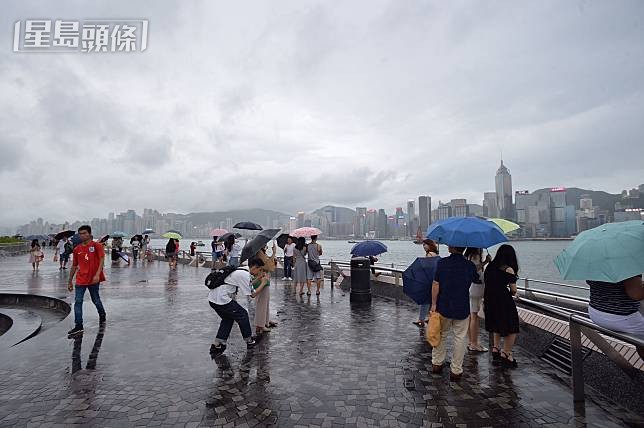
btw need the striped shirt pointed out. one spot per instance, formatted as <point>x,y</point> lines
<point>611,298</point>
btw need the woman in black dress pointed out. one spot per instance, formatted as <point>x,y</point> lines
<point>501,317</point>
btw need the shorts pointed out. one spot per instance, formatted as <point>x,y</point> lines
<point>310,275</point>
<point>632,324</point>
<point>475,304</point>
<point>170,255</point>
<point>64,258</point>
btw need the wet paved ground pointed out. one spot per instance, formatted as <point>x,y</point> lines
<point>325,365</point>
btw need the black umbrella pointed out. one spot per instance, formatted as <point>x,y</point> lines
<point>248,225</point>
<point>135,237</point>
<point>64,234</point>
<point>225,236</point>
<point>281,240</point>
<point>257,243</point>
<point>104,239</point>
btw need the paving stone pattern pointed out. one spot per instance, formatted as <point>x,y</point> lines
<point>326,365</point>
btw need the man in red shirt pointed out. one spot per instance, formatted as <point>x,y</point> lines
<point>88,262</point>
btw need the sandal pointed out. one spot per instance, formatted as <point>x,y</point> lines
<point>496,355</point>
<point>272,324</point>
<point>506,362</point>
<point>308,293</point>
<point>477,348</point>
<point>419,324</point>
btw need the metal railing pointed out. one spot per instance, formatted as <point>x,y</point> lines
<point>578,324</point>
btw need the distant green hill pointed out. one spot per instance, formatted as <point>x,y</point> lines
<point>261,216</point>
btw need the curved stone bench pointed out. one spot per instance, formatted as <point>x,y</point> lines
<point>25,324</point>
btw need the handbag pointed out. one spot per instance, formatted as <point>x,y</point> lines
<point>433,331</point>
<point>314,265</point>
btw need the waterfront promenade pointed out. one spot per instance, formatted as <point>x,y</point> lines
<point>325,365</point>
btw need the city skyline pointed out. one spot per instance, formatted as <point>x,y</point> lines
<point>312,104</point>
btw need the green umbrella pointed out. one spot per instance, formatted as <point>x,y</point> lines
<point>172,235</point>
<point>506,226</point>
<point>611,252</point>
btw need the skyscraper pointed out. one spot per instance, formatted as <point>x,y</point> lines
<point>490,208</point>
<point>360,227</point>
<point>503,185</point>
<point>424,212</point>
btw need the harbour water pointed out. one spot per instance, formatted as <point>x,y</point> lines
<point>535,257</point>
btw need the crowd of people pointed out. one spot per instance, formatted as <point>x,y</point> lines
<point>468,286</point>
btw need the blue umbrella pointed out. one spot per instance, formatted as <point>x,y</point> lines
<point>418,279</point>
<point>368,248</point>
<point>466,232</point>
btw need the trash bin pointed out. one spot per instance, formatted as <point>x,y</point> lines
<point>360,280</point>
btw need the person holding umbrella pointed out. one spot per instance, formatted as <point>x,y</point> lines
<point>475,255</point>
<point>615,281</point>
<point>233,250</point>
<point>35,255</point>
<point>301,269</point>
<point>63,252</point>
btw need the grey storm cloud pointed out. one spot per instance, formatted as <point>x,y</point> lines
<point>298,104</point>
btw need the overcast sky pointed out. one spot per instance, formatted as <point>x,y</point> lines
<point>295,105</point>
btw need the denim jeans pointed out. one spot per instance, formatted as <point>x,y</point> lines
<point>424,310</point>
<point>288,266</point>
<point>78,302</point>
<point>230,313</point>
<point>233,261</point>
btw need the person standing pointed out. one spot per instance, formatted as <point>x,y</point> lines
<point>263,300</point>
<point>451,299</point>
<point>234,251</point>
<point>301,269</point>
<point>431,250</point>
<point>501,316</point>
<point>88,262</point>
<point>213,249</point>
<point>136,246</point>
<point>171,254</point>
<point>193,248</point>
<point>475,255</point>
<point>221,299</point>
<point>63,255</point>
<point>315,271</point>
<point>288,259</point>
<point>617,306</point>
<point>145,246</point>
<point>35,254</point>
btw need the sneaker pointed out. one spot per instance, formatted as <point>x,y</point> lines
<point>290,279</point>
<point>284,278</point>
<point>251,344</point>
<point>217,349</point>
<point>102,318</point>
<point>76,330</point>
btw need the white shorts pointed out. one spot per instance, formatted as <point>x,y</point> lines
<point>475,304</point>
<point>632,324</point>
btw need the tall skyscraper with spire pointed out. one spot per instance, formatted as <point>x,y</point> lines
<point>503,185</point>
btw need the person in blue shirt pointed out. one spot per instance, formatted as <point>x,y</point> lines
<point>451,299</point>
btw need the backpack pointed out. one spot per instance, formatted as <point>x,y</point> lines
<point>170,247</point>
<point>217,277</point>
<point>69,248</point>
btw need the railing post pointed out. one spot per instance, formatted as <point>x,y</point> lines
<point>577,362</point>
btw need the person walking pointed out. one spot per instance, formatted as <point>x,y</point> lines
<point>63,255</point>
<point>301,269</point>
<point>221,299</point>
<point>501,316</point>
<point>431,250</point>
<point>213,250</point>
<point>136,247</point>
<point>451,299</point>
<point>315,271</point>
<point>88,262</point>
<point>288,259</point>
<point>145,246</point>
<point>171,253</point>
<point>36,254</point>
<point>475,255</point>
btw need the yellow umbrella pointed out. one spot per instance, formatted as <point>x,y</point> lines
<point>506,226</point>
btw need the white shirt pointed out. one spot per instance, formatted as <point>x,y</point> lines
<point>136,244</point>
<point>237,282</point>
<point>288,250</point>
<point>235,251</point>
<point>61,247</point>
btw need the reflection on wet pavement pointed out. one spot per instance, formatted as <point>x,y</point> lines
<point>324,365</point>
